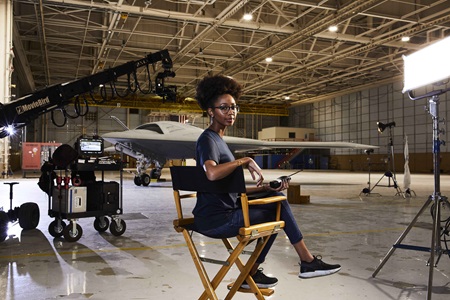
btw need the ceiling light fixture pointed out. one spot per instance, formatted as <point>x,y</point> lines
<point>333,28</point>
<point>269,59</point>
<point>405,39</point>
<point>248,17</point>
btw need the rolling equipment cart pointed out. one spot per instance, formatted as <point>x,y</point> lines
<point>77,194</point>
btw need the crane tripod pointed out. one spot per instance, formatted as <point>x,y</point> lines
<point>436,198</point>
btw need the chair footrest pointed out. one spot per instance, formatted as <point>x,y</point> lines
<point>265,292</point>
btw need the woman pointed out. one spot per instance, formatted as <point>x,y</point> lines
<point>219,215</point>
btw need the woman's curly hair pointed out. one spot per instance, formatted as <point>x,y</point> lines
<point>211,87</point>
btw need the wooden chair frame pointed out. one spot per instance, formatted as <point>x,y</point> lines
<point>187,181</point>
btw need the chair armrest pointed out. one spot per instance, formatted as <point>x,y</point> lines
<point>190,195</point>
<point>245,206</point>
<point>266,200</point>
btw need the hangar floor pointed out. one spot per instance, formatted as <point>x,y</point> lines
<point>150,260</point>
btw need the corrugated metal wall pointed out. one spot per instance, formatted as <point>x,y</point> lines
<point>354,118</point>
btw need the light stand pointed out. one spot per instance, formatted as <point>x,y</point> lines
<point>428,66</point>
<point>438,201</point>
<point>367,191</point>
<point>390,173</point>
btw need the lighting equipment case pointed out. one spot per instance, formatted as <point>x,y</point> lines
<point>84,198</point>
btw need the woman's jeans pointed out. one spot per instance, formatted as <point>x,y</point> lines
<point>260,214</point>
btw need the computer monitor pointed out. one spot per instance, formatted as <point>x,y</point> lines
<point>90,146</point>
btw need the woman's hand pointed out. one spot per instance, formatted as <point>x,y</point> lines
<point>255,171</point>
<point>283,186</point>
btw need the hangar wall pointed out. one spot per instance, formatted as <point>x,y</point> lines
<point>354,118</point>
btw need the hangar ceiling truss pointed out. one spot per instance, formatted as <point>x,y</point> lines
<point>60,40</point>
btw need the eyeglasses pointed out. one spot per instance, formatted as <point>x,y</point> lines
<point>224,108</point>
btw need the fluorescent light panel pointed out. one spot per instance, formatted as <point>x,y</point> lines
<point>428,65</point>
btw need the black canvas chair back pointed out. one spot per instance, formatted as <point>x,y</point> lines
<point>192,178</point>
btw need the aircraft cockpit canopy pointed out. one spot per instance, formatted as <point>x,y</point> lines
<point>151,127</point>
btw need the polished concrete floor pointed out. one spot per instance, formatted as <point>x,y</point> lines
<point>151,261</point>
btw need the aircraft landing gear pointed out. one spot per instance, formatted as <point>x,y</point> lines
<point>145,179</point>
<point>155,173</point>
<point>27,214</point>
<point>137,180</point>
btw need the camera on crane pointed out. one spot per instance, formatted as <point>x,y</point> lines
<point>168,93</point>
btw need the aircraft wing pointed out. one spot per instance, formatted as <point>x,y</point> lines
<point>243,145</point>
<point>172,140</point>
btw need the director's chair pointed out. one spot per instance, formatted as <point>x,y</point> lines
<point>186,182</point>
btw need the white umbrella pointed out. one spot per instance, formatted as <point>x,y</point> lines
<point>407,176</point>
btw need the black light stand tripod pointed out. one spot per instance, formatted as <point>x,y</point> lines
<point>438,200</point>
<point>367,191</point>
<point>390,173</point>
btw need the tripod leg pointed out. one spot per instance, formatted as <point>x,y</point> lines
<point>399,191</point>
<point>402,236</point>
<point>438,259</point>
<point>377,183</point>
<point>435,243</point>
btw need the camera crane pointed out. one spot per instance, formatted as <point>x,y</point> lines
<point>23,111</point>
